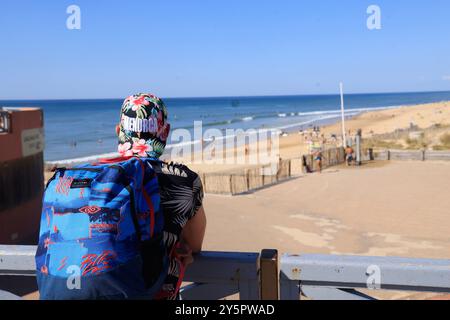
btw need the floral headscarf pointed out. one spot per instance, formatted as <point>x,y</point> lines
<point>143,126</point>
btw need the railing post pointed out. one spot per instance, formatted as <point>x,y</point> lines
<point>371,156</point>
<point>231,184</point>
<point>290,168</point>
<point>247,177</point>
<point>358,147</point>
<point>269,275</point>
<point>204,182</point>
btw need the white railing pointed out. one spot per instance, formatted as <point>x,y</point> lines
<point>338,277</point>
<point>254,276</point>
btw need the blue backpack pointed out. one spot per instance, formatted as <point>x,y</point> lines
<point>101,232</point>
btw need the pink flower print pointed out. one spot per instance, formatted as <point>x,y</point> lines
<point>137,103</point>
<point>140,148</point>
<point>125,150</point>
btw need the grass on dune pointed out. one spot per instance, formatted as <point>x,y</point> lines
<point>445,143</point>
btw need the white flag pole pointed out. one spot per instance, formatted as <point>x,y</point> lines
<point>344,138</point>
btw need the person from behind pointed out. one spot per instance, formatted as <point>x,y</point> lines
<point>122,228</point>
<point>349,155</point>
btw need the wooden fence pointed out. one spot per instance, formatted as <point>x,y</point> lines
<point>259,177</point>
<point>269,174</point>
<point>411,155</point>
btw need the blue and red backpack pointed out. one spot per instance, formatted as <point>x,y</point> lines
<point>101,232</point>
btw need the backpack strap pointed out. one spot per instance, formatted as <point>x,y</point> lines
<point>147,199</point>
<point>134,213</point>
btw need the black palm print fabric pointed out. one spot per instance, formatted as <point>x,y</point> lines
<point>181,196</point>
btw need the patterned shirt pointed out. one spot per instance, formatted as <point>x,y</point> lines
<point>181,196</point>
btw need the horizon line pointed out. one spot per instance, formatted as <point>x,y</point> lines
<point>230,96</point>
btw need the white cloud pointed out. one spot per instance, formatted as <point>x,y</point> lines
<point>446,78</point>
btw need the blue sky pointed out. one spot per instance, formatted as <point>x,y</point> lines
<point>181,48</point>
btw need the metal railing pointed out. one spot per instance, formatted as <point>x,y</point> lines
<point>214,275</point>
<point>255,276</point>
<point>338,277</point>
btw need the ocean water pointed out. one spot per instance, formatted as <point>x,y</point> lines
<point>80,128</point>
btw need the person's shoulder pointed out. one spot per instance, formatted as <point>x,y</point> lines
<point>176,169</point>
<point>173,176</point>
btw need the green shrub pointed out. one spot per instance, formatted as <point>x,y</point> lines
<point>382,144</point>
<point>414,144</point>
<point>440,148</point>
<point>445,140</point>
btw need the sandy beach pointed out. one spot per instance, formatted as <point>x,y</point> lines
<point>430,122</point>
<point>385,121</point>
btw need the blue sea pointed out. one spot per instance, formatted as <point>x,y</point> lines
<point>80,128</point>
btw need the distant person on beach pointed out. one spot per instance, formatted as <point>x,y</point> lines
<point>318,158</point>
<point>349,155</point>
<point>129,225</point>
